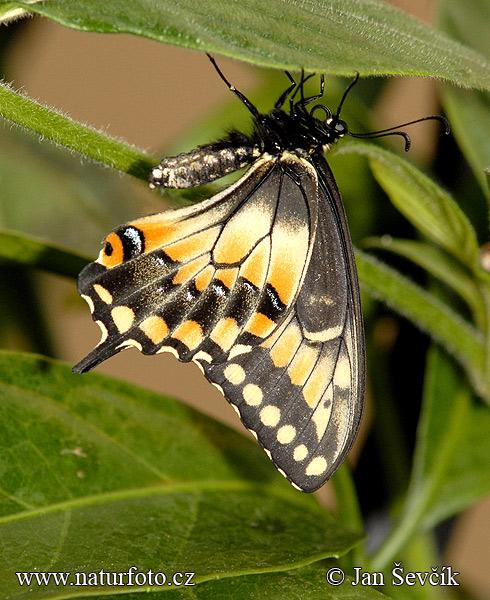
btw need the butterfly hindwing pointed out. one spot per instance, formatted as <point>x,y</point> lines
<point>300,391</point>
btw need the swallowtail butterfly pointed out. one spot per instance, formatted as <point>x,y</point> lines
<point>257,285</point>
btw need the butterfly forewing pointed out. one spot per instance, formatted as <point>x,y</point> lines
<point>194,284</point>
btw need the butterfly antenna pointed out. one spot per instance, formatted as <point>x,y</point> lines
<point>348,89</point>
<point>405,136</point>
<point>390,130</point>
<point>233,89</point>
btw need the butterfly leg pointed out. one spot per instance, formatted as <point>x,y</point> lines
<point>287,91</point>
<point>205,163</point>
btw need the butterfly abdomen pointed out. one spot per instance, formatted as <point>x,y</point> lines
<point>205,163</point>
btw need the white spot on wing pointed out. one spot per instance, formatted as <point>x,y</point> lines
<point>239,349</point>
<point>317,466</point>
<point>342,376</point>
<point>253,433</point>
<point>325,335</point>
<point>218,387</point>
<point>234,373</point>
<point>270,415</point>
<point>168,349</point>
<point>199,366</point>
<point>130,344</point>
<point>102,293</point>
<point>286,434</point>
<point>201,355</point>
<point>300,453</point>
<point>282,472</point>
<point>321,416</point>
<point>252,394</point>
<point>123,318</point>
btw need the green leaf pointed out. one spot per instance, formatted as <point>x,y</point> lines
<point>87,459</point>
<point>469,115</point>
<point>427,206</point>
<point>341,36</point>
<point>26,250</point>
<point>440,265</point>
<point>453,444</point>
<point>429,313</point>
<point>451,460</point>
<point>60,129</point>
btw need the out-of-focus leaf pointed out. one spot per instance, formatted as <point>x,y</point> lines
<point>341,36</point>
<point>451,460</point>
<point>421,201</point>
<point>468,112</point>
<point>469,115</point>
<point>26,250</point>
<point>440,265</point>
<point>51,195</point>
<point>429,313</point>
<point>153,483</point>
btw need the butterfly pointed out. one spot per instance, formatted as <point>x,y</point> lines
<point>257,285</point>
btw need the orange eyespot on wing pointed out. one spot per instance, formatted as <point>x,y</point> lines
<point>112,253</point>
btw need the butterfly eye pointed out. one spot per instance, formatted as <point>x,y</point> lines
<point>340,127</point>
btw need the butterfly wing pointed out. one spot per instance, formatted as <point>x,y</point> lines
<point>301,391</point>
<point>209,280</point>
<point>256,285</point>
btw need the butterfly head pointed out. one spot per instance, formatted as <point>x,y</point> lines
<point>331,129</point>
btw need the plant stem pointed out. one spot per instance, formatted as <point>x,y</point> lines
<point>60,129</point>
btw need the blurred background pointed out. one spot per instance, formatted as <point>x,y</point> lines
<point>155,97</point>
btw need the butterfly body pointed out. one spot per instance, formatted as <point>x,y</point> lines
<point>257,285</point>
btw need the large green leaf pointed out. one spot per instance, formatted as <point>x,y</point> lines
<point>451,460</point>
<point>307,583</point>
<point>97,474</point>
<point>338,36</point>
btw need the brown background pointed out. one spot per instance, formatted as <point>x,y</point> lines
<point>155,87</point>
